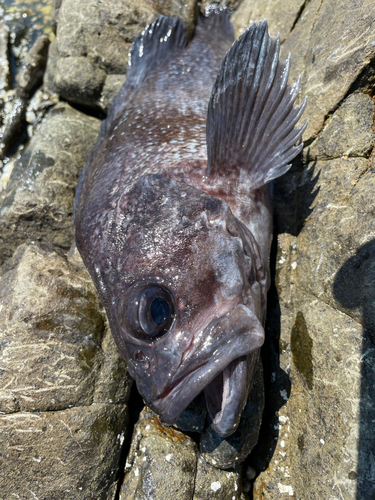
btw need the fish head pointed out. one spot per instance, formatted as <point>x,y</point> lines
<point>185,292</point>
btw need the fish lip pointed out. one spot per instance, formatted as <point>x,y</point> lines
<point>178,395</point>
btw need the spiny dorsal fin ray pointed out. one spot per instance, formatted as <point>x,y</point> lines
<point>164,36</point>
<point>158,42</point>
<point>251,119</point>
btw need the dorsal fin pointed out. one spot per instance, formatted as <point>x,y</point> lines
<point>158,42</point>
<point>251,118</point>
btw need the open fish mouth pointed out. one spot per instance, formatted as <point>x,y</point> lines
<point>225,378</point>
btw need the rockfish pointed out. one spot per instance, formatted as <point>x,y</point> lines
<point>173,212</point>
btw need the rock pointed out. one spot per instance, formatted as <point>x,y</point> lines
<point>71,453</point>
<point>112,86</point>
<point>83,86</point>
<point>226,453</point>
<point>340,48</point>
<point>30,78</point>
<point>49,75</point>
<point>94,38</point>
<point>161,463</point>
<point>63,411</point>
<point>4,59</point>
<point>340,224</point>
<point>281,16</point>
<point>31,74</point>
<point>38,202</point>
<point>55,13</point>
<point>329,64</point>
<point>325,277</point>
<point>348,133</point>
<point>211,483</point>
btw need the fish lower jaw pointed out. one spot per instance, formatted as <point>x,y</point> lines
<point>226,396</point>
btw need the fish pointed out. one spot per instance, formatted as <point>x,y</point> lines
<point>173,212</point>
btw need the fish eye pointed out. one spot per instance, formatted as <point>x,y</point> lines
<point>147,311</point>
<point>160,310</point>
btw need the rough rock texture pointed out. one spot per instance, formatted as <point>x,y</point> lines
<point>4,60</point>
<point>281,16</point>
<point>94,38</point>
<point>212,483</point>
<point>331,44</point>
<point>349,132</point>
<point>38,202</point>
<point>161,463</point>
<point>61,378</point>
<point>324,364</point>
<point>164,464</point>
<point>112,86</point>
<point>30,77</point>
<point>64,389</point>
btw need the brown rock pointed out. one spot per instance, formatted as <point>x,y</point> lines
<point>94,38</point>
<point>63,411</point>
<point>161,463</point>
<point>57,455</point>
<point>349,132</point>
<point>341,46</point>
<point>211,483</point>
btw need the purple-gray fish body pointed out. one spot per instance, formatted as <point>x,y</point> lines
<point>173,214</point>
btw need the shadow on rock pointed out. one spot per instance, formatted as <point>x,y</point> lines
<point>354,289</point>
<point>293,196</point>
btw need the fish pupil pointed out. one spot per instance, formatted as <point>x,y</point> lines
<point>160,310</point>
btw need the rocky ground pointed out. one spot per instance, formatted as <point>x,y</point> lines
<point>70,425</point>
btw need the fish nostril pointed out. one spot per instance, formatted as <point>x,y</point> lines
<point>139,356</point>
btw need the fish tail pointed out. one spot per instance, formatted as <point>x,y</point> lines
<point>251,119</point>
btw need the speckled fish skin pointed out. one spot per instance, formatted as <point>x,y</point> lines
<point>173,209</point>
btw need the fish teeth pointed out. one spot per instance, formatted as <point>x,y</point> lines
<point>186,222</point>
<point>204,220</point>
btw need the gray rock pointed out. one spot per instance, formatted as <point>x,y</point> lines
<point>38,202</point>
<point>348,133</point>
<point>325,282</point>
<point>112,86</point>
<point>161,463</point>
<point>79,80</point>
<point>71,453</point>
<point>226,453</point>
<point>340,48</point>
<point>4,59</point>
<point>211,483</point>
<point>94,38</point>
<point>281,16</point>
<point>49,76</point>
<point>63,411</point>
